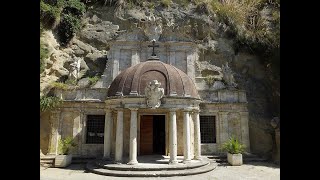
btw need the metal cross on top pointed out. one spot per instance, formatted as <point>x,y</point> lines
<point>153,46</point>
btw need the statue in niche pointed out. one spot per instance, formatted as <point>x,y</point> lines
<point>228,76</point>
<point>153,94</point>
<point>153,27</point>
<point>74,69</point>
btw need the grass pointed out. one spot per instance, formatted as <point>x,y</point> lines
<point>47,103</point>
<point>245,20</point>
<point>209,80</point>
<point>166,3</point>
<point>93,80</point>
<point>59,85</point>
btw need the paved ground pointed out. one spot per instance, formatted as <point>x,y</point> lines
<point>248,171</point>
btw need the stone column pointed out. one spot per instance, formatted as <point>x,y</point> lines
<point>135,58</point>
<point>245,130</point>
<point>223,118</point>
<point>107,134</point>
<point>115,64</point>
<point>173,137</point>
<point>191,64</point>
<point>172,57</point>
<point>197,136</point>
<point>133,137</point>
<point>119,136</point>
<point>186,137</point>
<point>54,138</point>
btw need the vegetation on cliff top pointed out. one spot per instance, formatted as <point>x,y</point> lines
<point>252,23</point>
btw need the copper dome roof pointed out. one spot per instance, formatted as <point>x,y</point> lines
<point>132,81</point>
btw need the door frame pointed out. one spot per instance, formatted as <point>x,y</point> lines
<point>166,126</point>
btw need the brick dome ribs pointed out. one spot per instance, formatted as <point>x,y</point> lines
<point>132,81</point>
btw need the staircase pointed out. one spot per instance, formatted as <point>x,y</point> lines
<point>47,161</point>
<point>150,170</point>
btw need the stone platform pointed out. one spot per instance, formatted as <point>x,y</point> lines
<point>151,166</point>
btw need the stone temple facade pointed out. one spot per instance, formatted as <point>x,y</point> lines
<point>150,105</point>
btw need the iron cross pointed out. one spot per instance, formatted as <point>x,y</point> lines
<point>153,46</point>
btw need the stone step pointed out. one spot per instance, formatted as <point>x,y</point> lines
<point>150,167</point>
<point>47,161</point>
<point>91,167</point>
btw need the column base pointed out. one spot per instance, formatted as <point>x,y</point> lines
<point>173,162</point>
<point>118,162</point>
<point>133,162</point>
<point>186,161</point>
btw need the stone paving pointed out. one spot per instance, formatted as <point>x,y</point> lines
<point>249,170</point>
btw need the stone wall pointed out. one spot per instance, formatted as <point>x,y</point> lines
<point>231,119</point>
<point>45,131</point>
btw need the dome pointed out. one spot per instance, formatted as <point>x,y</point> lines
<point>133,80</point>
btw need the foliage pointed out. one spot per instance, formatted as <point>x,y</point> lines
<point>68,27</point>
<point>233,146</point>
<point>93,80</point>
<point>166,3</point>
<point>50,13</point>
<point>43,55</point>
<point>209,80</point>
<point>59,85</point>
<point>71,82</point>
<point>247,23</point>
<point>74,7</point>
<point>65,14</point>
<point>47,103</point>
<point>202,7</point>
<point>183,3</point>
<point>66,145</point>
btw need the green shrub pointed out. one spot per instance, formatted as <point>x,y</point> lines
<point>74,7</point>
<point>67,28</point>
<point>70,13</point>
<point>71,82</point>
<point>93,80</point>
<point>66,145</point>
<point>244,20</point>
<point>50,14</point>
<point>233,146</point>
<point>59,85</point>
<point>43,55</point>
<point>166,3</point>
<point>47,103</point>
<point>209,80</point>
<point>183,3</point>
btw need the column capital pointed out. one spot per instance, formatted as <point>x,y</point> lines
<point>108,110</point>
<point>173,109</point>
<point>133,108</point>
<point>119,109</point>
<point>187,109</point>
<point>196,110</point>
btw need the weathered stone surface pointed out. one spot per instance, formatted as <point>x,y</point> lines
<point>82,83</point>
<point>98,33</point>
<point>86,48</point>
<point>218,85</point>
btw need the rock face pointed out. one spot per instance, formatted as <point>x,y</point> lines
<point>91,45</point>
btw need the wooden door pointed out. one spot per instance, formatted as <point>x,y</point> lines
<point>146,135</point>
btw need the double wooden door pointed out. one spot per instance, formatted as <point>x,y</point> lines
<point>152,134</point>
